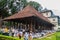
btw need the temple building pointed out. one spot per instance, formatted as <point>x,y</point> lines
<point>30,19</point>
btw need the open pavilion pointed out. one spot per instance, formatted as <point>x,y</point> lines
<point>30,19</point>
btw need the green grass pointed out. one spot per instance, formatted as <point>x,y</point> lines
<point>49,37</point>
<point>58,33</point>
<point>2,37</point>
<point>55,36</point>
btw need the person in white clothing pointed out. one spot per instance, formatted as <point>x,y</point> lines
<point>26,36</point>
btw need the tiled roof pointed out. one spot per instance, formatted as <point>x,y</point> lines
<point>27,12</point>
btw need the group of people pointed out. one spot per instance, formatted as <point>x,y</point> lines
<point>20,33</point>
<point>23,34</point>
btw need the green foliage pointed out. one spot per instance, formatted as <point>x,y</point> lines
<point>22,4</point>
<point>19,5</point>
<point>3,11</point>
<point>58,35</point>
<point>35,5</point>
<point>13,10</point>
<point>2,37</point>
<point>3,3</point>
<point>8,24</point>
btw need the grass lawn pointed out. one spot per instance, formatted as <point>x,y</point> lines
<point>3,37</point>
<point>50,37</point>
<point>55,36</point>
<point>58,36</point>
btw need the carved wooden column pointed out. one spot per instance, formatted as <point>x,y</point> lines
<point>30,25</point>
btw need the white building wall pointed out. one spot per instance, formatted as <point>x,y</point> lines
<point>54,21</point>
<point>47,14</point>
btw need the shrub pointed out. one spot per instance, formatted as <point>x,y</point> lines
<point>2,37</point>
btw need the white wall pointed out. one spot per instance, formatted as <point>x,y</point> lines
<point>47,14</point>
<point>51,19</point>
<point>54,21</point>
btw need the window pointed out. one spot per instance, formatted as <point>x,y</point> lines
<point>53,19</point>
<point>46,13</point>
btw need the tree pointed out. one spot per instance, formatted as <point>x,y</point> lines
<point>36,5</point>
<point>13,6</point>
<point>2,3</point>
<point>3,11</point>
<point>16,5</point>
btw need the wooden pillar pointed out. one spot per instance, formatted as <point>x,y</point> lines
<point>30,26</point>
<point>13,24</point>
<point>17,25</point>
<point>21,26</point>
<point>34,26</point>
<point>25,25</point>
<point>0,21</point>
<point>44,26</point>
<point>39,27</point>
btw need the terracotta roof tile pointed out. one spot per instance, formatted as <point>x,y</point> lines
<point>27,12</point>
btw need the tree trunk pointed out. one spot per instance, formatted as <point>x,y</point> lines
<point>0,21</point>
